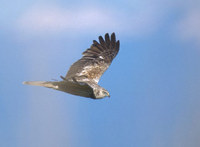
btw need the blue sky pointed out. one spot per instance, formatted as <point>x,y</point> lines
<point>154,81</point>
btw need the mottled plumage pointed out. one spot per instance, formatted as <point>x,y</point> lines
<point>83,76</point>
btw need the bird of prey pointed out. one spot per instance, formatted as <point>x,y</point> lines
<point>83,76</point>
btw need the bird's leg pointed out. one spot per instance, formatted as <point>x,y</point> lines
<point>54,79</point>
<point>78,81</point>
<point>63,78</point>
<point>75,81</point>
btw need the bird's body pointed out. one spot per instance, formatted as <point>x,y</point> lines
<point>83,76</point>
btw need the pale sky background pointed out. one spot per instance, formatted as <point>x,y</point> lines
<point>154,81</point>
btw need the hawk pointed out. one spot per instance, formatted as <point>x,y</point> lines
<point>83,76</point>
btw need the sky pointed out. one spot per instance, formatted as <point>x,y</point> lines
<point>154,81</point>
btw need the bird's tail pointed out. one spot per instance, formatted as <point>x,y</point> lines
<point>65,86</point>
<point>42,83</point>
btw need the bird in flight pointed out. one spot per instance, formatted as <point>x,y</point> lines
<point>83,76</point>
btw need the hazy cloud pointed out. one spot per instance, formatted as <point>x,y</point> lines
<point>53,18</point>
<point>188,27</point>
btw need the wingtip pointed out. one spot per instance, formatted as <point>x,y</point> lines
<point>118,44</point>
<point>100,38</point>
<point>113,33</point>
<point>107,34</point>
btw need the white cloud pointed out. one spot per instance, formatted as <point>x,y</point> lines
<point>51,18</point>
<point>188,26</point>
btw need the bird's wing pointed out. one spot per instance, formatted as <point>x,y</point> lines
<point>96,59</point>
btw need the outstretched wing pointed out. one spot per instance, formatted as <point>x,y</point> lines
<point>96,59</point>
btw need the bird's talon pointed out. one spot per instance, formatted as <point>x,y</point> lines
<point>63,78</point>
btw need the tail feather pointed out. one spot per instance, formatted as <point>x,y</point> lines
<point>41,83</point>
<point>65,86</point>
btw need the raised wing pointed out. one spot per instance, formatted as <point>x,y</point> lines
<point>96,59</point>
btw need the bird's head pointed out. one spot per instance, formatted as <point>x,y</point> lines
<point>101,93</point>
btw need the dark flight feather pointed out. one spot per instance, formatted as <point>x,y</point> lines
<point>96,59</point>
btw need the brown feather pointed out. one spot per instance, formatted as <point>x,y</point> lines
<point>96,59</point>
